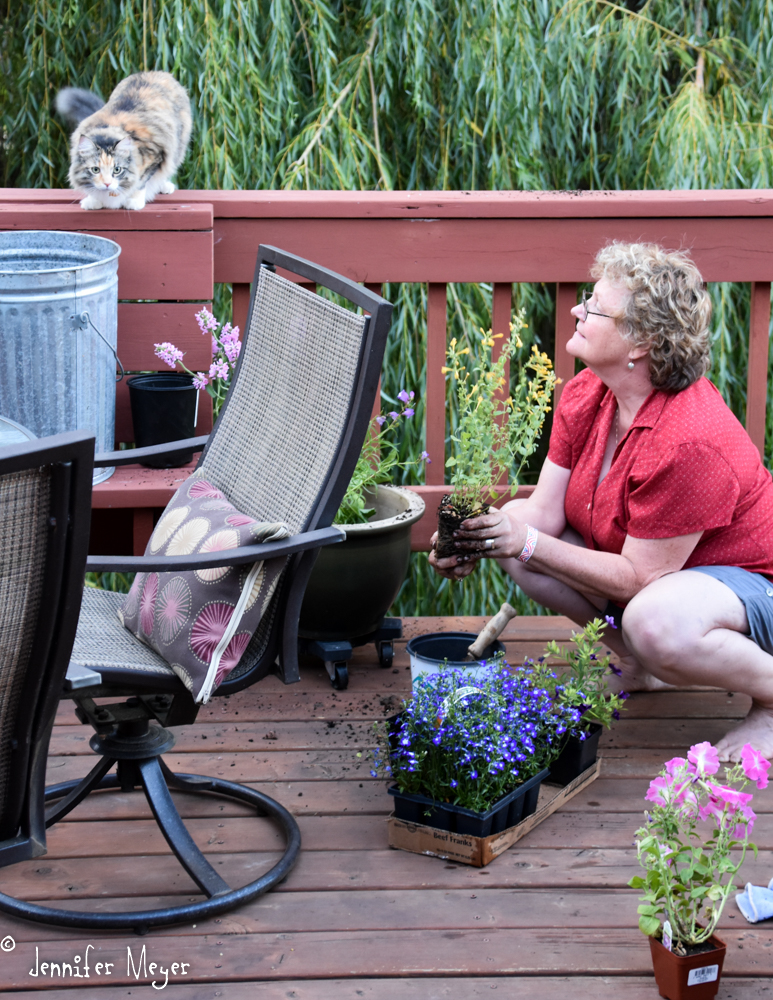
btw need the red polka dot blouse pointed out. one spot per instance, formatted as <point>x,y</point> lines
<point>686,464</point>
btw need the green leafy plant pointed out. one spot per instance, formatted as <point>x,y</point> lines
<point>584,684</point>
<point>686,845</point>
<point>469,740</point>
<point>377,463</point>
<point>496,433</point>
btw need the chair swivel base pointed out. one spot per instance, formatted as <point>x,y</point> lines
<point>138,763</point>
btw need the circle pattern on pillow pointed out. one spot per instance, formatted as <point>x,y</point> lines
<point>226,538</point>
<point>148,603</point>
<point>166,527</point>
<point>188,537</point>
<point>173,609</point>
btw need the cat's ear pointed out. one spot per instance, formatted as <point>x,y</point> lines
<point>85,145</point>
<point>125,146</point>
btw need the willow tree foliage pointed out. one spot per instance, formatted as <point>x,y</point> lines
<point>424,94</point>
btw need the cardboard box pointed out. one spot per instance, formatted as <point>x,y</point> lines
<point>479,851</point>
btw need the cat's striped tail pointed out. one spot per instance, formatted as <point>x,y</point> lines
<point>74,104</point>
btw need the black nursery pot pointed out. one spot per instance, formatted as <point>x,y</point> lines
<point>164,408</point>
<point>575,757</point>
<point>508,811</point>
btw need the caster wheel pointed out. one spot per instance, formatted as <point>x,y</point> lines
<point>340,679</point>
<point>386,654</point>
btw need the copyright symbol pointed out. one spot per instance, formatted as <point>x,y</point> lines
<point>7,944</point>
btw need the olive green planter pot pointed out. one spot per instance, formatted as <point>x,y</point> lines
<point>354,583</point>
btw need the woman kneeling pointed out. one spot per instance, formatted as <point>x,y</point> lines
<point>653,506</point>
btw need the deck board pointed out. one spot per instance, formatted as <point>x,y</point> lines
<point>551,917</point>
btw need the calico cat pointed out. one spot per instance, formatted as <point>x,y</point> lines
<point>124,152</point>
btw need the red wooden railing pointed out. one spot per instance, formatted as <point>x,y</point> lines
<point>175,249</point>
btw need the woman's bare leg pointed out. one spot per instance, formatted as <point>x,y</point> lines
<point>689,628</point>
<point>581,608</point>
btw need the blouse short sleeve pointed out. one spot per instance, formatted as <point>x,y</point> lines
<point>692,488</point>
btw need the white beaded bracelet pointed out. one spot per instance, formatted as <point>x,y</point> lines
<point>531,540</point>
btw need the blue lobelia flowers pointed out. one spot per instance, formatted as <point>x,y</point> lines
<point>471,741</point>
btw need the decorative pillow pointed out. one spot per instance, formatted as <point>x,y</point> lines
<point>201,621</point>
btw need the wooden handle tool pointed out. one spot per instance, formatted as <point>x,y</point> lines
<point>491,631</point>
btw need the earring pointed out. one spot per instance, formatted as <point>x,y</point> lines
<point>630,365</point>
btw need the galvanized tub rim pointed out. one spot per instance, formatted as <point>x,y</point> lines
<point>7,255</point>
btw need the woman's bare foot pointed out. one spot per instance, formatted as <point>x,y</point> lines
<point>635,678</point>
<point>756,728</point>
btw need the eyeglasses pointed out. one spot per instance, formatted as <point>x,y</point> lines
<point>592,312</point>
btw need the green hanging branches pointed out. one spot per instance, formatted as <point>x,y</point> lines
<point>423,94</point>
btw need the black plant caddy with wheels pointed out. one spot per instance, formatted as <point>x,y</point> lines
<point>576,756</point>
<point>507,812</point>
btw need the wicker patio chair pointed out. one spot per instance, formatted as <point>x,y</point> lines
<point>283,449</point>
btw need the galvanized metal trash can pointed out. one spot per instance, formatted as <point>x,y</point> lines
<point>58,333</point>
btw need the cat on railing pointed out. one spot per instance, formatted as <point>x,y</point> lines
<point>124,153</point>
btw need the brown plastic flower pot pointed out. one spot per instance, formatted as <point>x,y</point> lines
<point>688,977</point>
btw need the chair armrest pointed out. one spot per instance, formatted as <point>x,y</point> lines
<point>133,455</point>
<point>225,557</point>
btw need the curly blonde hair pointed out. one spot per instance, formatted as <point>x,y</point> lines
<point>668,310</point>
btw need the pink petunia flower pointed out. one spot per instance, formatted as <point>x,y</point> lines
<point>676,764</point>
<point>659,791</point>
<point>755,766</point>
<point>703,758</point>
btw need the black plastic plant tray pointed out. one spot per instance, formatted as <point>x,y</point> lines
<point>510,809</point>
<point>576,756</point>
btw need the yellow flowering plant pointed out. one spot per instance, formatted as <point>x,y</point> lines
<point>496,433</point>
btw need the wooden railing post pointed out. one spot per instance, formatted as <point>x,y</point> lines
<point>241,305</point>
<point>757,374</point>
<point>566,297</point>
<point>501,311</point>
<point>435,397</point>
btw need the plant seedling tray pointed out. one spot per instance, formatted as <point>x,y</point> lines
<point>479,851</point>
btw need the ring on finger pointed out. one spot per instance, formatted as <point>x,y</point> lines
<point>490,544</point>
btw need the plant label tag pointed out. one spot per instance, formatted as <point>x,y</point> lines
<point>706,974</point>
<point>667,933</point>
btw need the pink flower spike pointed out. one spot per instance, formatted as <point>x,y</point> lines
<point>206,320</point>
<point>200,380</point>
<point>215,347</point>
<point>755,766</point>
<point>704,758</point>
<point>168,353</point>
<point>232,351</point>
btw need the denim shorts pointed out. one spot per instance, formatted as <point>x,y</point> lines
<point>755,592</point>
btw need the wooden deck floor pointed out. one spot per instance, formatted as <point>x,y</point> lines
<point>551,918</point>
